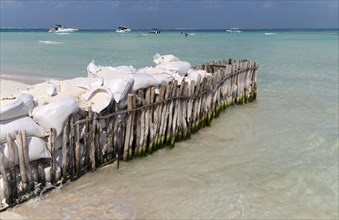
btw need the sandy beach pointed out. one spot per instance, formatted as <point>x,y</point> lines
<point>15,84</point>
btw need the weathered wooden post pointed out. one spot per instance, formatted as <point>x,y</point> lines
<point>93,143</point>
<point>4,179</point>
<point>151,122</point>
<point>12,172</point>
<point>129,127</point>
<point>64,163</point>
<point>23,176</point>
<point>30,185</point>
<point>77,150</point>
<point>52,139</point>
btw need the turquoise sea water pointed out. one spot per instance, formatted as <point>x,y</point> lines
<point>274,158</point>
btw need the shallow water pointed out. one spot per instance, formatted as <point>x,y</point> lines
<point>275,158</point>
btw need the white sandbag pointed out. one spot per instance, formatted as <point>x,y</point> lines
<point>92,69</point>
<point>99,99</point>
<point>164,58</point>
<point>48,88</point>
<point>192,75</point>
<point>74,87</point>
<point>52,87</point>
<point>20,106</point>
<point>108,72</point>
<point>19,124</point>
<point>144,80</point>
<point>91,84</point>
<point>179,67</point>
<point>112,72</point>
<point>161,75</point>
<point>36,150</point>
<point>54,114</point>
<point>120,86</point>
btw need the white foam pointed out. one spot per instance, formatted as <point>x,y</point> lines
<point>50,42</point>
<point>62,33</point>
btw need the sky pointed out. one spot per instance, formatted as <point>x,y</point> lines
<point>169,14</point>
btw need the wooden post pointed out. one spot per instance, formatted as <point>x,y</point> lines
<point>64,163</point>
<point>128,127</point>
<point>176,115</point>
<point>12,172</point>
<point>110,148</point>
<point>53,162</point>
<point>137,102</point>
<point>190,109</point>
<point>165,114</point>
<point>185,93</point>
<point>93,143</point>
<point>147,119</point>
<point>77,150</point>
<point>160,98</point>
<point>196,94</point>
<point>71,146</point>
<point>4,179</point>
<point>23,176</point>
<point>170,134</point>
<point>26,162</point>
<point>140,144</point>
<point>152,124</point>
<point>89,136</point>
<point>41,173</point>
<point>98,147</point>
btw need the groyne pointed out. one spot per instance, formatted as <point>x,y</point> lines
<point>155,117</point>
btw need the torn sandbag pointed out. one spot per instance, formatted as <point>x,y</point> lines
<point>19,106</point>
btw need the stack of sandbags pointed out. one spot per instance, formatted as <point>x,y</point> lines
<point>14,115</point>
<point>37,149</point>
<point>172,65</point>
<point>194,75</point>
<point>159,74</point>
<point>144,80</point>
<point>55,113</point>
<point>116,83</point>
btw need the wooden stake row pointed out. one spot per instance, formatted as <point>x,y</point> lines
<point>154,118</point>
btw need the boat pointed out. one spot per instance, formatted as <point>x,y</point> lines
<point>61,29</point>
<point>234,30</point>
<point>154,31</point>
<point>123,29</point>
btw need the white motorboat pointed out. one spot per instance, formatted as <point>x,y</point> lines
<point>61,29</point>
<point>234,30</point>
<point>154,31</point>
<point>123,29</point>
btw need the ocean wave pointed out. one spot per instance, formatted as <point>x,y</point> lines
<point>50,42</point>
<point>62,33</point>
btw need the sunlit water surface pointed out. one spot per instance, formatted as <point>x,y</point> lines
<point>274,158</point>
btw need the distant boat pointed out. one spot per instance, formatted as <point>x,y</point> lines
<point>269,33</point>
<point>61,29</point>
<point>234,30</point>
<point>123,29</point>
<point>154,31</point>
